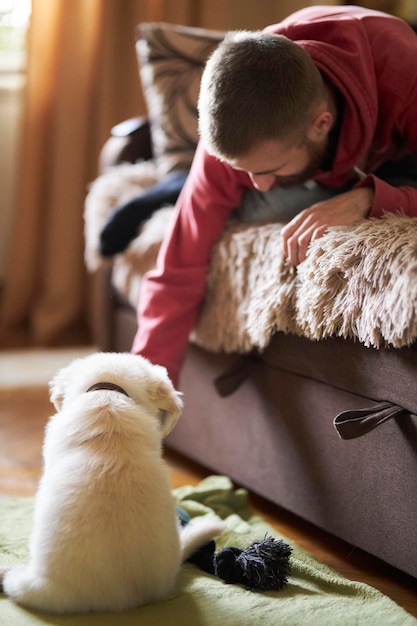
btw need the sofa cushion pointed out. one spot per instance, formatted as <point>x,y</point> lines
<point>171,60</point>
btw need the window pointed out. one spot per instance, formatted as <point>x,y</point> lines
<point>14,19</point>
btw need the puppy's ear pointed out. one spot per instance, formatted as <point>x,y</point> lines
<point>169,404</point>
<point>57,388</point>
<point>3,572</point>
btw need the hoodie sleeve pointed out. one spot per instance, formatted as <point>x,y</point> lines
<point>389,199</point>
<point>172,294</point>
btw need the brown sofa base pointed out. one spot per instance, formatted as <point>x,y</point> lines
<point>275,436</point>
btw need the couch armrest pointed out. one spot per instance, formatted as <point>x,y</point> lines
<point>130,141</point>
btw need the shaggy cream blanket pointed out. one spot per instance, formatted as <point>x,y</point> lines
<point>358,281</point>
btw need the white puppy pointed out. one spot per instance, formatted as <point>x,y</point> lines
<point>105,535</point>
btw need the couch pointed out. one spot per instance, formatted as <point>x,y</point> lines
<point>301,385</point>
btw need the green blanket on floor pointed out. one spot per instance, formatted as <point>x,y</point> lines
<point>314,596</point>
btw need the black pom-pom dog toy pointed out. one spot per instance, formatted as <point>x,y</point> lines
<point>262,566</point>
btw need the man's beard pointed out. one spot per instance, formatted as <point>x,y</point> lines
<point>316,154</point>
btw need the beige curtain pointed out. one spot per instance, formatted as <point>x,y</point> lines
<point>82,79</point>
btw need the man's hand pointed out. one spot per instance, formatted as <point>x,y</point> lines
<point>313,222</point>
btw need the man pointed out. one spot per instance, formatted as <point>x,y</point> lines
<point>319,110</point>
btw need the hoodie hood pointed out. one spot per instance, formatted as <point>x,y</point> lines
<point>340,41</point>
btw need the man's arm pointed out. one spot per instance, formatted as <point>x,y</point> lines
<point>371,198</point>
<point>171,296</point>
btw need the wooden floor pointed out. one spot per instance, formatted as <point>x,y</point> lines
<point>23,414</point>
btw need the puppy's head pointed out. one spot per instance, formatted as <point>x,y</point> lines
<point>145,384</point>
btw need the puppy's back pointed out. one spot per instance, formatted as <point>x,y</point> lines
<point>105,527</point>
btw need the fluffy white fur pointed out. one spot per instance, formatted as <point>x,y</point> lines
<point>105,535</point>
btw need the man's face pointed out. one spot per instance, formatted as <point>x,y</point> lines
<point>272,163</point>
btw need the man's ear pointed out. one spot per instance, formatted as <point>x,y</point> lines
<point>320,126</point>
<point>169,404</point>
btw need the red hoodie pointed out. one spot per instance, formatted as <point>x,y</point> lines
<point>371,58</point>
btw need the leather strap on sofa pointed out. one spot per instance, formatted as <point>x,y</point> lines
<point>230,380</point>
<point>352,424</point>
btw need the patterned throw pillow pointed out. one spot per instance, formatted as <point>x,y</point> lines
<point>171,60</point>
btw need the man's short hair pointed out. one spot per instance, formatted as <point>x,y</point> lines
<point>256,86</point>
